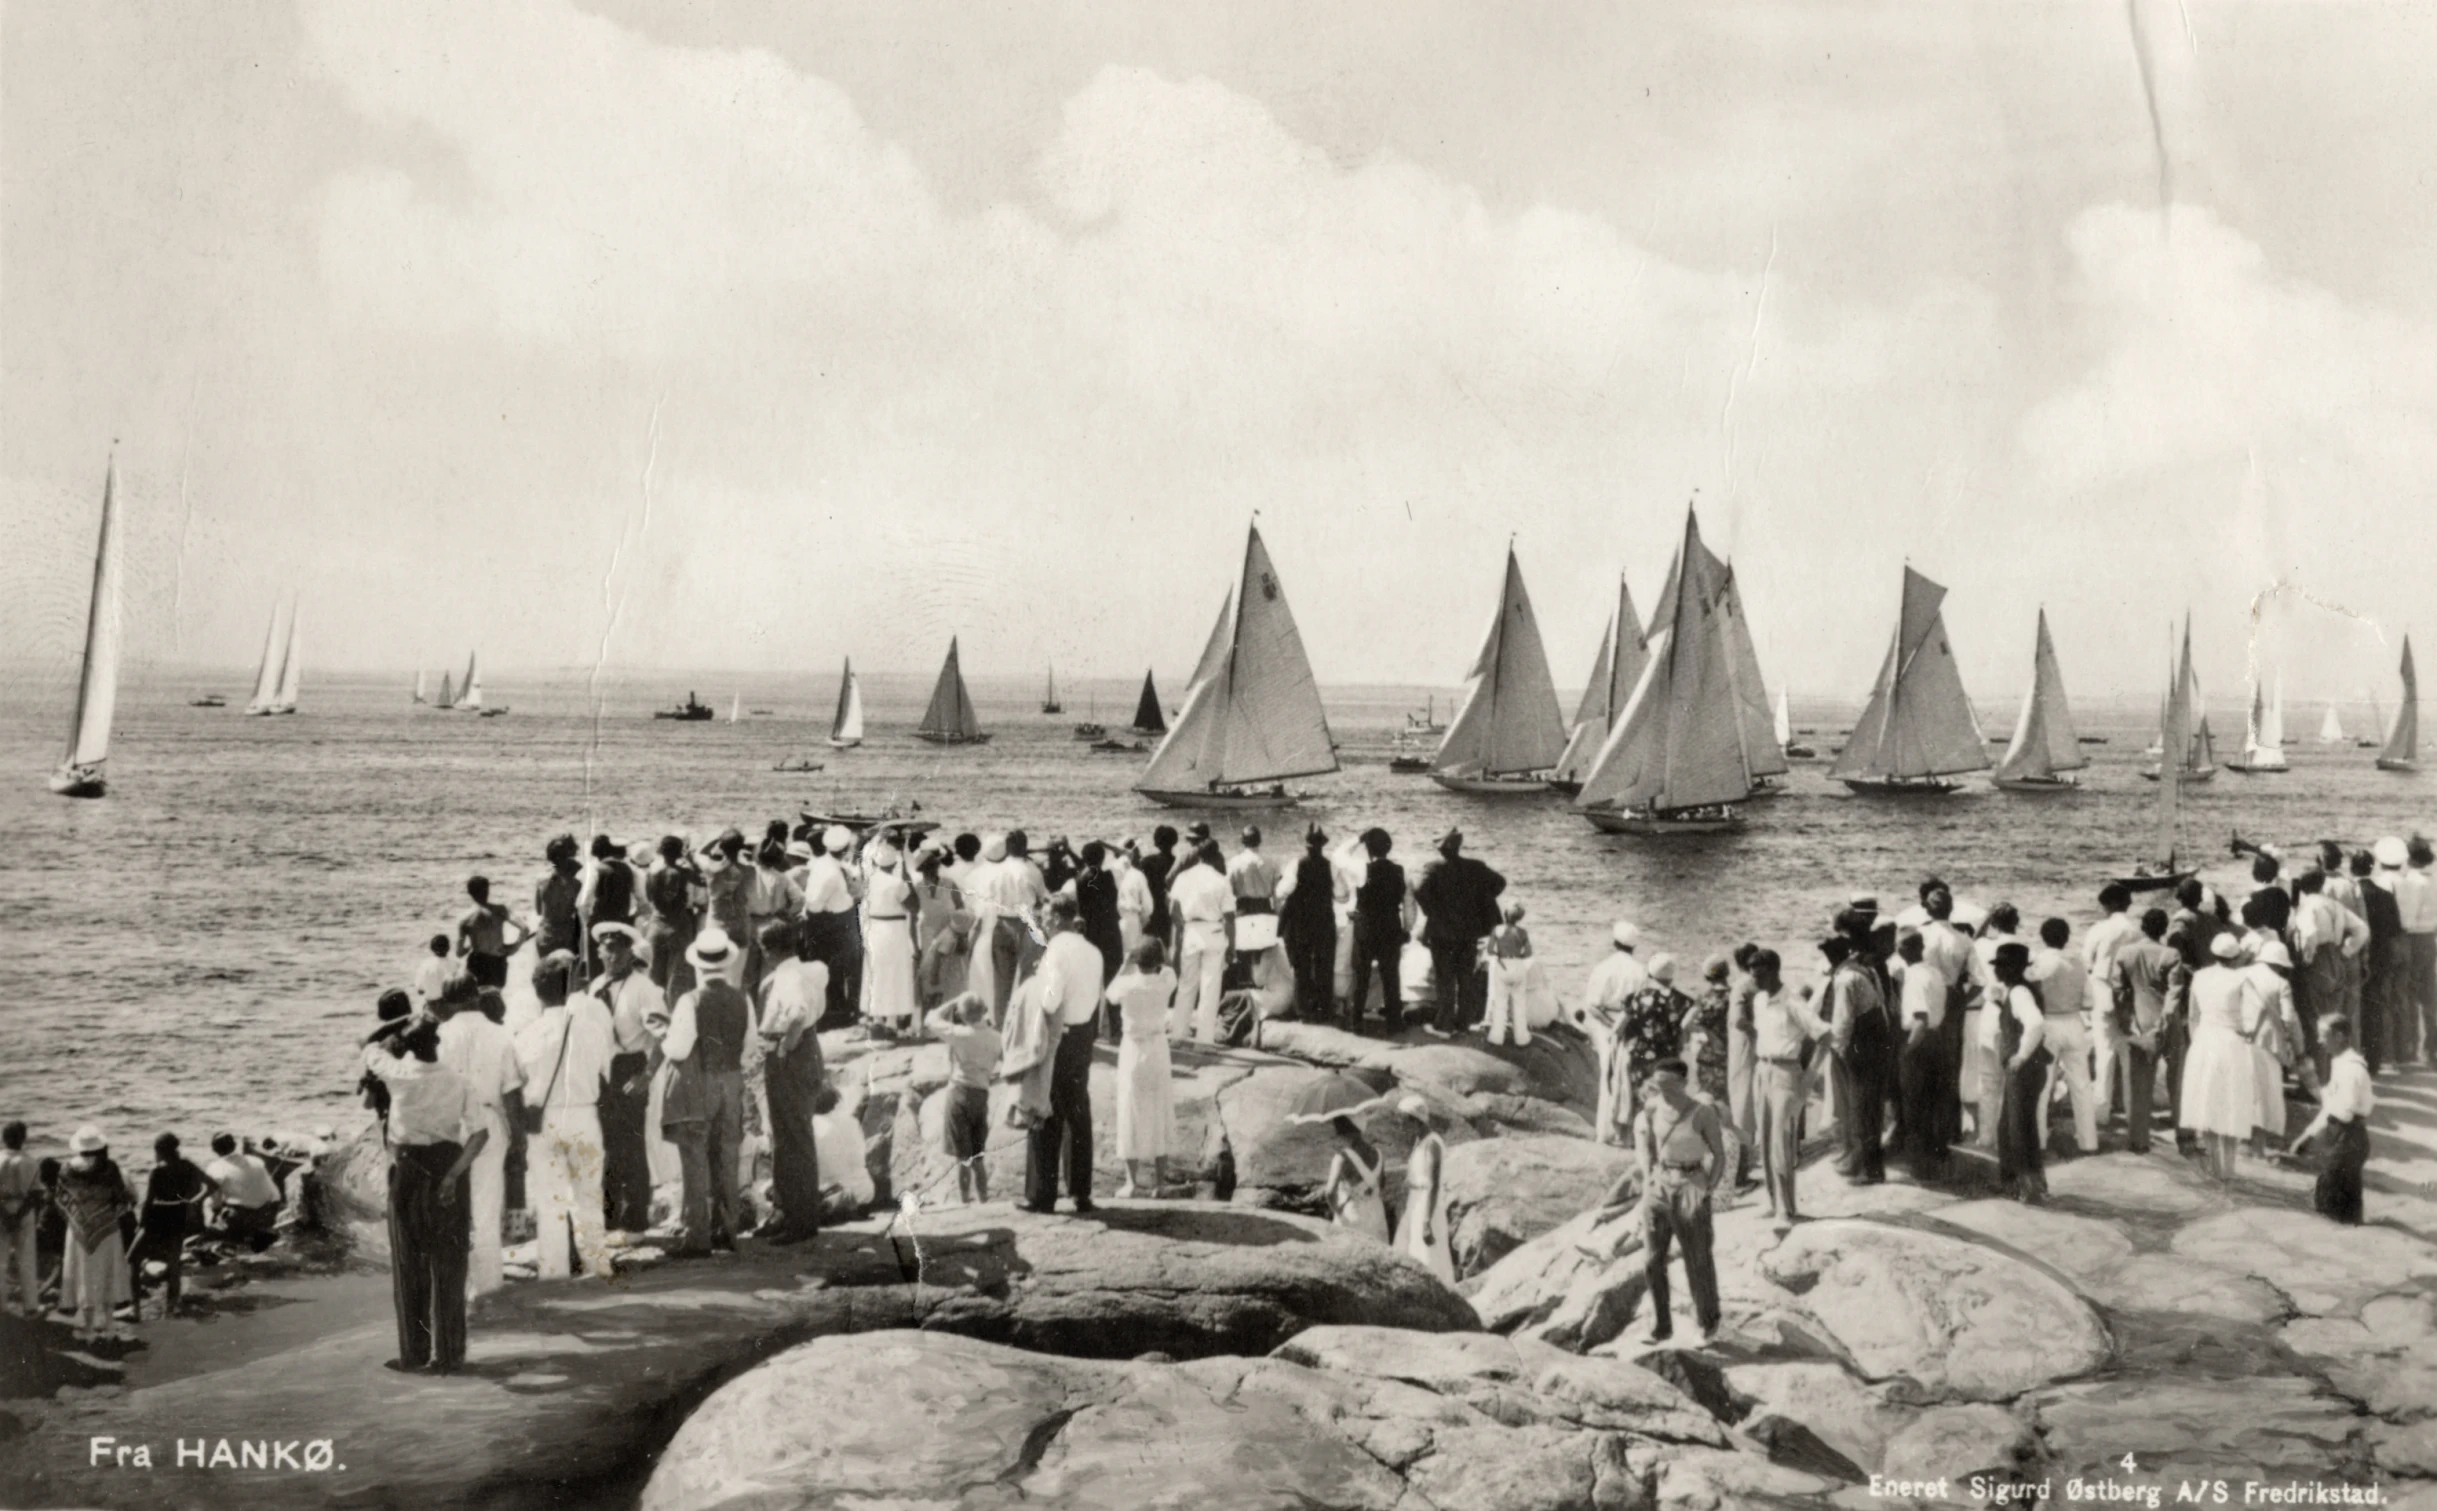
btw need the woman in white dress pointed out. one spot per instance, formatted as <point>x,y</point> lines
<point>1353,1187</point>
<point>890,1000</point>
<point>1146,1114</point>
<point>2219,1101</point>
<point>1422,1230</point>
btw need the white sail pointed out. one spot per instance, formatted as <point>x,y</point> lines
<point>1623,651</point>
<point>2331,728</point>
<point>1919,722</point>
<point>1509,723</point>
<point>471,697</point>
<point>1765,752</point>
<point>291,665</point>
<point>1680,742</point>
<point>1783,725</point>
<point>2174,734</point>
<point>419,697</point>
<point>1253,713</point>
<point>266,676</point>
<point>97,687</point>
<point>2403,739</point>
<point>846,727</point>
<point>736,709</point>
<point>2045,743</point>
<point>2263,741</point>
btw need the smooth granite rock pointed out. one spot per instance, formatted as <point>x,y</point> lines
<point>1504,1192</point>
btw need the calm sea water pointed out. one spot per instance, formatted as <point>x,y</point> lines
<point>201,950</point>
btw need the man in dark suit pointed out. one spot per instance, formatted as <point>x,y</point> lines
<point>1459,902</point>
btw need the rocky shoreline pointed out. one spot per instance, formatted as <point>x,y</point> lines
<point>976,1356</point>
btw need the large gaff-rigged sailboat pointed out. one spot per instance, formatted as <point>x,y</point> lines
<point>1679,757</point>
<point>1508,732</point>
<point>846,725</point>
<point>2263,740</point>
<point>2164,868</point>
<point>2402,752</point>
<point>1623,651</point>
<point>1919,730</point>
<point>1252,715</point>
<point>2199,746</point>
<point>2045,750</point>
<point>82,773</point>
<point>950,719</point>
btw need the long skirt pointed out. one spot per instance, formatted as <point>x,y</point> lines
<point>888,970</point>
<point>94,1281</point>
<point>2217,1091</point>
<point>1146,1114</point>
<point>2267,1092</point>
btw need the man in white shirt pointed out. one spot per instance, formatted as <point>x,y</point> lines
<point>1782,1025</point>
<point>793,997</point>
<point>1068,986</point>
<point>484,1057</point>
<point>2106,938</point>
<point>1924,1076</point>
<point>2416,899</point>
<point>432,971</point>
<point>625,988</point>
<point>2063,982</point>
<point>829,921</point>
<point>1007,893</point>
<point>434,1135</point>
<point>1205,907</point>
<point>1253,876</point>
<point>1612,984</point>
<point>565,1054</point>
<point>2345,1104</point>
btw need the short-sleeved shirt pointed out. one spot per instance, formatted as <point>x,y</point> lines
<point>1202,895</point>
<point>484,1057</point>
<point>591,1041</point>
<point>428,1102</point>
<point>244,1181</point>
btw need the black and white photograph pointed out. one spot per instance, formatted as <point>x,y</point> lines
<point>788,755</point>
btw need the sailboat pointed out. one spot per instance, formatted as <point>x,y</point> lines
<point>469,697</point>
<point>82,774</point>
<point>266,675</point>
<point>1678,759</point>
<point>2200,747</point>
<point>2165,868</point>
<point>1919,730</point>
<point>420,699</point>
<point>1252,714</point>
<point>1148,720</point>
<point>950,719</point>
<point>1623,651</point>
<point>2263,741</point>
<point>2045,750</point>
<point>1508,731</point>
<point>1049,696</point>
<point>2402,752</point>
<point>846,725</point>
<point>1783,728</point>
<point>2331,728</point>
<point>1762,750</point>
<point>736,709</point>
<point>448,693</point>
<point>1425,720</point>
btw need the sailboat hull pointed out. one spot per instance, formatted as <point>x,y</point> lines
<point>2258,767</point>
<point>2037,785</point>
<point>1901,786</point>
<point>2150,774</point>
<point>2390,763</point>
<point>1766,787</point>
<point>1224,801</point>
<point>2152,881</point>
<point>1493,786</point>
<point>78,784</point>
<point>936,737</point>
<point>1683,821</point>
<point>837,744</point>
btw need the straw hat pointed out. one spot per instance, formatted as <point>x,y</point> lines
<point>2226,947</point>
<point>1662,968</point>
<point>2390,853</point>
<point>711,950</point>
<point>88,1140</point>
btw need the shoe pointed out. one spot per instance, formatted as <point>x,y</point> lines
<point>1085,1206</point>
<point>402,1367</point>
<point>1034,1208</point>
<point>1436,1032</point>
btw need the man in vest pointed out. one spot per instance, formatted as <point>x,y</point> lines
<point>704,1112</point>
<point>626,990</point>
<point>1682,1153</point>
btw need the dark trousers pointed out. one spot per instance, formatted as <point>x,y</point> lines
<point>837,944</point>
<point>626,1172</point>
<point>2380,992</point>
<point>1861,1113</point>
<point>1675,1210</point>
<point>2140,1090</point>
<point>1311,949</point>
<point>2022,1129</point>
<point>2338,1194</point>
<point>1067,1132</point>
<point>428,1239</point>
<point>1009,942</point>
<point>2174,1043</point>
<point>706,1160</point>
<point>1949,1037</point>
<point>1928,1092</point>
<point>1377,953</point>
<point>671,971</point>
<point>1463,996</point>
<point>792,1080</point>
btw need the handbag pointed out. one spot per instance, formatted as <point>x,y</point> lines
<point>536,1111</point>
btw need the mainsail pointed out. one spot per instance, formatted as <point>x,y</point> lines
<point>846,725</point>
<point>736,709</point>
<point>2044,743</point>
<point>472,696</point>
<point>1253,712</point>
<point>1509,724</point>
<point>448,693</point>
<point>291,665</point>
<point>1919,723</point>
<point>2331,728</point>
<point>1765,752</point>
<point>2403,740</point>
<point>266,676</point>
<point>950,718</point>
<point>97,687</point>
<point>1148,719</point>
<point>419,697</point>
<point>2175,734</point>
<point>1623,651</point>
<point>1679,742</point>
<point>2263,742</point>
<point>1782,726</point>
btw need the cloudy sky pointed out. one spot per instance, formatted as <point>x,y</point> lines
<point>750,332</point>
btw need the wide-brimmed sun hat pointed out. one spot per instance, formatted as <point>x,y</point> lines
<point>87,1140</point>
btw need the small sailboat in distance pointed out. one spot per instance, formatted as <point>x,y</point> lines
<point>2263,741</point>
<point>291,666</point>
<point>2165,867</point>
<point>1148,719</point>
<point>1049,695</point>
<point>82,773</point>
<point>736,709</point>
<point>2200,746</point>
<point>448,693</point>
<point>846,725</point>
<point>950,719</point>
<point>2045,750</point>
<point>1783,728</point>
<point>1508,731</point>
<point>420,698</point>
<point>266,675</point>
<point>1919,730</point>
<point>2402,752</point>
<point>1252,713</point>
<point>2331,728</point>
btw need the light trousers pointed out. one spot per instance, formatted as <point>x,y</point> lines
<point>1201,970</point>
<point>2067,1040</point>
<point>1507,979</point>
<point>2106,1062</point>
<point>488,1199</point>
<point>1778,1087</point>
<point>565,1164</point>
